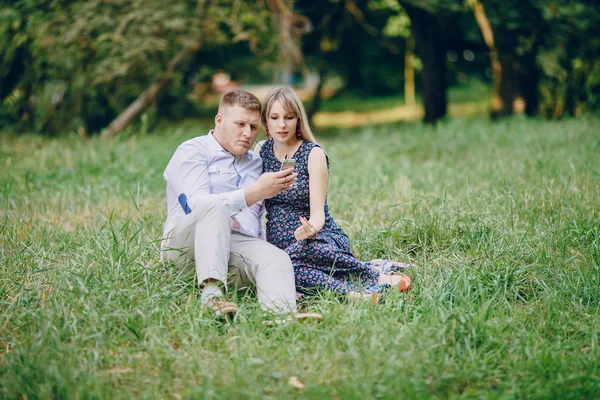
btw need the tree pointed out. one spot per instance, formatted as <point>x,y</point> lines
<point>513,31</point>
<point>546,45</point>
<point>346,37</point>
<point>429,33</point>
<point>570,57</point>
<point>322,45</point>
<point>88,60</point>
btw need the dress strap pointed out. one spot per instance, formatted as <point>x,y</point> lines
<point>310,146</point>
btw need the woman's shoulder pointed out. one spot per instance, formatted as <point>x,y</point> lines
<point>317,152</point>
<point>317,156</point>
<point>262,147</point>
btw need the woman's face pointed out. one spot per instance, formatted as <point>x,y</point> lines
<point>282,124</point>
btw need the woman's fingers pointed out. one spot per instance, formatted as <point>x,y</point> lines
<point>313,230</point>
<point>305,224</point>
<point>308,228</point>
<point>305,230</point>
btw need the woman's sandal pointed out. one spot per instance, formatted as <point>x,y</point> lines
<point>405,282</point>
<point>400,280</point>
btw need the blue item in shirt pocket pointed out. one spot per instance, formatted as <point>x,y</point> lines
<point>220,179</point>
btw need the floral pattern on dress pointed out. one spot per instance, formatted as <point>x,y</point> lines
<point>326,260</point>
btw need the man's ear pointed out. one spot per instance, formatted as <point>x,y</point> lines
<point>218,119</point>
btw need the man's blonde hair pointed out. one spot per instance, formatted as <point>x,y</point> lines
<point>240,98</point>
<point>291,103</point>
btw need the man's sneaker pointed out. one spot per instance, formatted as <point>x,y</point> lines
<point>297,316</point>
<point>221,308</point>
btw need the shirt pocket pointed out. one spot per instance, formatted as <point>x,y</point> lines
<point>250,177</point>
<point>220,179</point>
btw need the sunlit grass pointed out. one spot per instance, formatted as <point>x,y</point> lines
<point>502,221</point>
<point>349,111</point>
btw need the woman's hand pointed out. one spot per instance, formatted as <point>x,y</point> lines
<point>305,230</point>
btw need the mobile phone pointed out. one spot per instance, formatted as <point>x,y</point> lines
<point>288,163</point>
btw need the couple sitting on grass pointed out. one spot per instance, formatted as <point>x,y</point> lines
<point>217,193</point>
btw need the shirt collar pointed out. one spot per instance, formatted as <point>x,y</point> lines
<point>213,143</point>
<point>216,146</point>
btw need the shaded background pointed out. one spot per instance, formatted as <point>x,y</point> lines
<point>100,65</point>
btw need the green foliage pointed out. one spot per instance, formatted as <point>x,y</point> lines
<point>570,58</point>
<point>74,66</point>
<point>501,219</point>
<point>88,60</point>
<point>558,38</point>
<point>348,36</point>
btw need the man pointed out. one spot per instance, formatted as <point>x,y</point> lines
<point>215,189</point>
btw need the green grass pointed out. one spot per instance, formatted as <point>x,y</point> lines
<point>502,219</point>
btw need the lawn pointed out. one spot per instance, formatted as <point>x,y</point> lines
<point>502,222</point>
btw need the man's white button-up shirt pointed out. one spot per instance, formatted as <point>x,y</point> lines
<point>202,167</point>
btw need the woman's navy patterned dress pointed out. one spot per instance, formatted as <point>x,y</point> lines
<point>321,262</point>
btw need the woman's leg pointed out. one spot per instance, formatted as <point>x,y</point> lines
<point>311,278</point>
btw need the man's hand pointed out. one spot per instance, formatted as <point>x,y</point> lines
<point>270,184</point>
<point>305,230</point>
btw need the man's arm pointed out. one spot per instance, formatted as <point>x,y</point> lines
<point>187,174</point>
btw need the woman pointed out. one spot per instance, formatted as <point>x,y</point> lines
<point>298,219</point>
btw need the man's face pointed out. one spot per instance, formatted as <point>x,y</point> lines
<point>236,129</point>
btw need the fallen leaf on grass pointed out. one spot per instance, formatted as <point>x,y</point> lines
<point>295,382</point>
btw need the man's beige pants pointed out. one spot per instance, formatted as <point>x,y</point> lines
<point>205,237</point>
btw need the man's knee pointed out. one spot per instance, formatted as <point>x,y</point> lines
<point>279,259</point>
<point>213,206</point>
<point>209,211</point>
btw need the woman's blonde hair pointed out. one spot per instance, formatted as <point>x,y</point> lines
<point>291,103</point>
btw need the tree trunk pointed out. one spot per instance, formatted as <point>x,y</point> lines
<point>507,85</point>
<point>288,47</point>
<point>498,106</point>
<point>354,76</point>
<point>149,95</point>
<point>511,76</point>
<point>409,72</point>
<point>316,101</point>
<point>431,48</point>
<point>15,70</point>
<point>529,84</point>
<point>285,46</point>
<point>575,82</point>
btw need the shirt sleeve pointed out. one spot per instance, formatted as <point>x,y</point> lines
<point>258,210</point>
<point>187,174</point>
